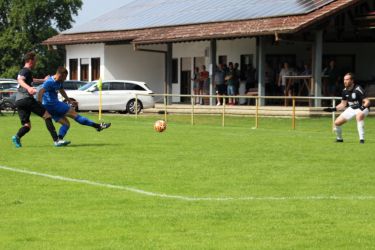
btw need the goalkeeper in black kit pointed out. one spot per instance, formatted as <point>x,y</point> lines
<point>354,98</point>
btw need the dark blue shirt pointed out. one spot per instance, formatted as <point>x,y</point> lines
<point>52,87</point>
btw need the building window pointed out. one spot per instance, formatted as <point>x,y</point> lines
<point>73,69</point>
<point>84,69</point>
<point>95,69</point>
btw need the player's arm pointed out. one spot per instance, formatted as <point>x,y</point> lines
<point>342,105</point>
<point>21,81</point>
<point>365,104</point>
<point>40,94</point>
<point>37,80</point>
<point>63,93</point>
<point>66,97</point>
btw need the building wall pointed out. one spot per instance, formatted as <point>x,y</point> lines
<point>85,51</point>
<point>122,62</point>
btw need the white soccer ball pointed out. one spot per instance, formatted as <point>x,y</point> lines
<point>160,126</point>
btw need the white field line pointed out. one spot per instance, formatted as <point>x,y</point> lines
<point>187,198</point>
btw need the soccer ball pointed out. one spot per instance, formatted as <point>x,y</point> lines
<point>160,126</point>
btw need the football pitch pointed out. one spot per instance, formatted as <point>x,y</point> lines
<point>191,187</point>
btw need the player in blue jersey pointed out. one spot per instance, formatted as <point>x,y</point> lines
<point>60,110</point>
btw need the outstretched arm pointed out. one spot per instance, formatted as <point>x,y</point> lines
<point>40,94</point>
<point>342,105</point>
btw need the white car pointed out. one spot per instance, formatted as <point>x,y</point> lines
<point>117,95</point>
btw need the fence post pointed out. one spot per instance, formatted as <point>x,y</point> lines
<point>294,113</point>
<point>192,109</point>
<point>223,116</point>
<point>257,112</point>
<point>165,107</point>
<point>333,114</point>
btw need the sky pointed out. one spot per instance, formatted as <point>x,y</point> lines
<point>95,8</point>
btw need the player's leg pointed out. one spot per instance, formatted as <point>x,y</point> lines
<point>39,110</point>
<point>24,115</point>
<point>85,121</point>
<point>65,125</point>
<point>360,117</point>
<point>347,115</point>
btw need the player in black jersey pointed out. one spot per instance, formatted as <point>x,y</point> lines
<point>354,98</point>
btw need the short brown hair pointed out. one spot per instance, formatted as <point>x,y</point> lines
<point>29,56</point>
<point>351,75</point>
<point>62,70</point>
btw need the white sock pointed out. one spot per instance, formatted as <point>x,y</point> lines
<point>338,130</point>
<point>361,129</point>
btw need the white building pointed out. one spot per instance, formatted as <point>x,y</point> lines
<point>160,42</point>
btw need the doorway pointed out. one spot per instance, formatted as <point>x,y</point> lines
<point>185,86</point>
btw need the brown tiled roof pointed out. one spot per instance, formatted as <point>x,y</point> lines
<point>245,28</point>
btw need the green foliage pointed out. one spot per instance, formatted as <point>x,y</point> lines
<point>205,160</point>
<point>24,24</point>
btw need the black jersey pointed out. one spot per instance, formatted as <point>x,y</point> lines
<point>354,96</point>
<point>22,92</point>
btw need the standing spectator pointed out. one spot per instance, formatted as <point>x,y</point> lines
<point>332,79</point>
<point>285,71</point>
<point>250,76</point>
<point>219,83</point>
<point>196,84</point>
<point>204,83</point>
<point>237,79</point>
<point>230,78</point>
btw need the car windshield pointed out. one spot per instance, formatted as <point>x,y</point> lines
<point>86,86</point>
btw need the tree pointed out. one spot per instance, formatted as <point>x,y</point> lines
<point>24,24</point>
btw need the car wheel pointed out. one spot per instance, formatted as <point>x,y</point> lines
<point>130,107</point>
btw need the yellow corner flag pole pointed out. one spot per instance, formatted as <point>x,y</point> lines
<point>100,84</point>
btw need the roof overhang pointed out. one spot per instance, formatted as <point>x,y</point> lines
<point>218,30</point>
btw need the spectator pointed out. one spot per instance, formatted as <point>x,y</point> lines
<point>285,71</point>
<point>230,78</point>
<point>219,83</point>
<point>237,79</point>
<point>204,83</point>
<point>332,77</point>
<point>196,84</point>
<point>250,76</point>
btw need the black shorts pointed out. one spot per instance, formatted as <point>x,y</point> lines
<point>26,106</point>
<point>221,89</point>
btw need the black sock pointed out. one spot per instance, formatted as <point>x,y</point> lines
<point>23,131</point>
<point>51,128</point>
<point>96,125</point>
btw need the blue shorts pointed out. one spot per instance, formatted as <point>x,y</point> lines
<point>230,90</point>
<point>58,110</point>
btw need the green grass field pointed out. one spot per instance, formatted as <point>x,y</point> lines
<point>206,187</point>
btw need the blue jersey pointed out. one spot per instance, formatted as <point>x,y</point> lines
<point>52,87</point>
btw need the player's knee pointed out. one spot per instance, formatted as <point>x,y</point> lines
<point>360,117</point>
<point>339,122</point>
<point>27,127</point>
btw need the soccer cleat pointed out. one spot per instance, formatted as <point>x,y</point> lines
<point>61,143</point>
<point>339,140</point>
<point>362,141</point>
<point>103,126</point>
<point>16,141</point>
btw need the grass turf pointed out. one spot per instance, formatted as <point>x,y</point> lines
<point>205,160</point>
